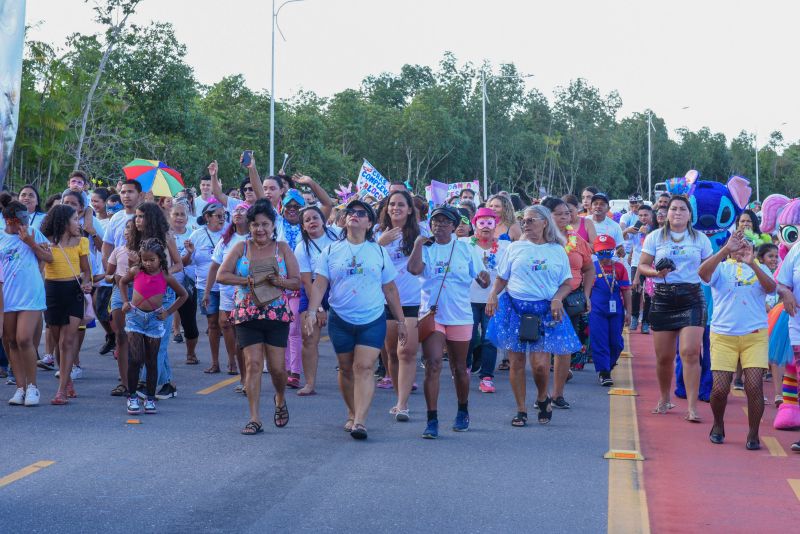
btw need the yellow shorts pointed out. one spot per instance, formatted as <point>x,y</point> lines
<point>751,349</point>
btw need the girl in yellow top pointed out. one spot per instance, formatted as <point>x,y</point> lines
<point>66,279</point>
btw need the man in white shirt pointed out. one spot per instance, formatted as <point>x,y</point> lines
<point>602,223</point>
<point>629,218</point>
<point>205,194</point>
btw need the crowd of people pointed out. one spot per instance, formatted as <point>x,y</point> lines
<point>274,262</point>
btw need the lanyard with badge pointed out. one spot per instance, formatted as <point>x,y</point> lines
<point>612,303</point>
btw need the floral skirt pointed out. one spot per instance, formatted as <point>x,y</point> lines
<point>503,332</point>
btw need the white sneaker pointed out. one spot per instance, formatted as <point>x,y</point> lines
<point>32,396</point>
<point>18,399</point>
<point>76,372</point>
<point>58,373</point>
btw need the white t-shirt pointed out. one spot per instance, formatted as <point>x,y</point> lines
<point>453,307</point>
<point>180,239</point>
<point>34,219</point>
<point>204,241</point>
<point>199,204</point>
<point>408,285</point>
<point>628,219</point>
<point>490,262</point>
<point>637,241</point>
<point>356,275</point>
<point>687,255</point>
<point>789,275</point>
<point>307,260</point>
<point>609,227</point>
<point>218,256</point>
<point>533,271</point>
<point>115,228</point>
<point>739,308</point>
<point>23,288</point>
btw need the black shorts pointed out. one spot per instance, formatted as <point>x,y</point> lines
<point>676,306</point>
<point>64,300</point>
<point>408,311</point>
<point>269,332</point>
<point>102,299</point>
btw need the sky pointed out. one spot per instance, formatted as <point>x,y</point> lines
<point>727,65</point>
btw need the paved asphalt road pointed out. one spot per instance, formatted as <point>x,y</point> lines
<point>187,469</point>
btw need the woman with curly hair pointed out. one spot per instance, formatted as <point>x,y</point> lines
<point>150,223</point>
<point>398,229</point>
<point>508,228</point>
<point>67,278</point>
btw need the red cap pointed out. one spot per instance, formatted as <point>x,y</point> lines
<point>604,242</point>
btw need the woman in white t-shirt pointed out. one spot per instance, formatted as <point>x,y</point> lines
<point>398,231</point>
<point>315,237</point>
<point>179,218</point>
<point>360,275</point>
<point>739,335</point>
<point>529,315</point>
<point>434,258</point>
<point>672,257</point>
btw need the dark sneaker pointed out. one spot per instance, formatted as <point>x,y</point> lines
<point>167,391</point>
<point>109,345</point>
<point>150,406</point>
<point>605,379</point>
<point>461,424</point>
<point>178,338</point>
<point>561,402</point>
<point>432,430</point>
<point>796,446</point>
<point>645,328</point>
<point>738,385</point>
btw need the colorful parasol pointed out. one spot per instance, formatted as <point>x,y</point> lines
<point>154,176</point>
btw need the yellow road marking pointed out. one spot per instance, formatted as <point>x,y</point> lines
<point>627,501</point>
<point>218,385</point>
<point>25,471</point>
<point>795,484</point>
<point>623,392</point>
<point>324,338</point>
<point>737,393</point>
<point>775,448</point>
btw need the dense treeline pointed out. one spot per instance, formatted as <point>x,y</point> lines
<point>419,124</point>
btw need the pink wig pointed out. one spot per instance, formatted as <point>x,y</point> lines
<point>779,210</point>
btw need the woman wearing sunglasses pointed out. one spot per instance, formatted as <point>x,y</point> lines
<point>529,315</point>
<point>203,240</point>
<point>491,250</point>
<point>360,274</point>
<point>398,231</point>
<point>447,266</point>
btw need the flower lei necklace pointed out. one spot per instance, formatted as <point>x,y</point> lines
<point>740,279</point>
<point>572,239</point>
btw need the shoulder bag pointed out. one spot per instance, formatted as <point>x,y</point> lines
<point>262,291</point>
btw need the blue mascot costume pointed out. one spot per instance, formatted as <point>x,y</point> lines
<point>714,209</point>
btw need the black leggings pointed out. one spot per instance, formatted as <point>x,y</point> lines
<point>143,350</point>
<point>188,314</point>
<point>637,298</point>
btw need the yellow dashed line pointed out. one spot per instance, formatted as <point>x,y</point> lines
<point>775,448</point>
<point>218,385</point>
<point>24,472</point>
<point>795,484</point>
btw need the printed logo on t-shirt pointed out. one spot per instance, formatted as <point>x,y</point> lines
<point>397,254</point>
<point>441,267</point>
<point>354,269</point>
<point>538,265</point>
<point>678,250</point>
<point>11,254</point>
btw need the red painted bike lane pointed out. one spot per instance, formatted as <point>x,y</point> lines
<point>693,485</point>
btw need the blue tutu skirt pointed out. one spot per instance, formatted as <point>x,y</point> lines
<point>780,349</point>
<point>503,332</point>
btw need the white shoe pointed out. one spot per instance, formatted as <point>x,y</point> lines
<point>76,372</point>
<point>32,396</point>
<point>58,373</point>
<point>18,399</point>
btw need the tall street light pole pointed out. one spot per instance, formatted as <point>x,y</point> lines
<point>272,86</point>
<point>483,110</point>
<point>649,157</point>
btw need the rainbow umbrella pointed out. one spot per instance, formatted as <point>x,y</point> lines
<point>154,176</point>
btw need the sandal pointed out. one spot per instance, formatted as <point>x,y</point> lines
<point>252,428</point>
<point>306,391</point>
<point>693,417</point>
<point>503,366</point>
<point>60,399</point>
<point>233,370</point>
<point>214,369</point>
<point>71,391</point>
<point>521,419</point>
<point>281,417</point>
<point>359,432</point>
<point>348,425</point>
<point>191,359</point>
<point>545,411</point>
<point>662,408</point>
<point>119,391</point>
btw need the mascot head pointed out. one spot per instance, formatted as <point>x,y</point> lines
<point>714,206</point>
<point>782,214</point>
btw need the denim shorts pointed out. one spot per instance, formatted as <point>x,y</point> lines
<point>345,336</point>
<point>116,300</point>
<point>213,302</point>
<point>304,300</point>
<point>226,303</point>
<point>145,323</point>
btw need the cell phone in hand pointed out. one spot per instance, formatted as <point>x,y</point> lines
<point>638,224</point>
<point>247,157</point>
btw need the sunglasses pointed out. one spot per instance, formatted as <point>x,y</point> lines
<point>529,220</point>
<point>248,188</point>
<point>358,213</point>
